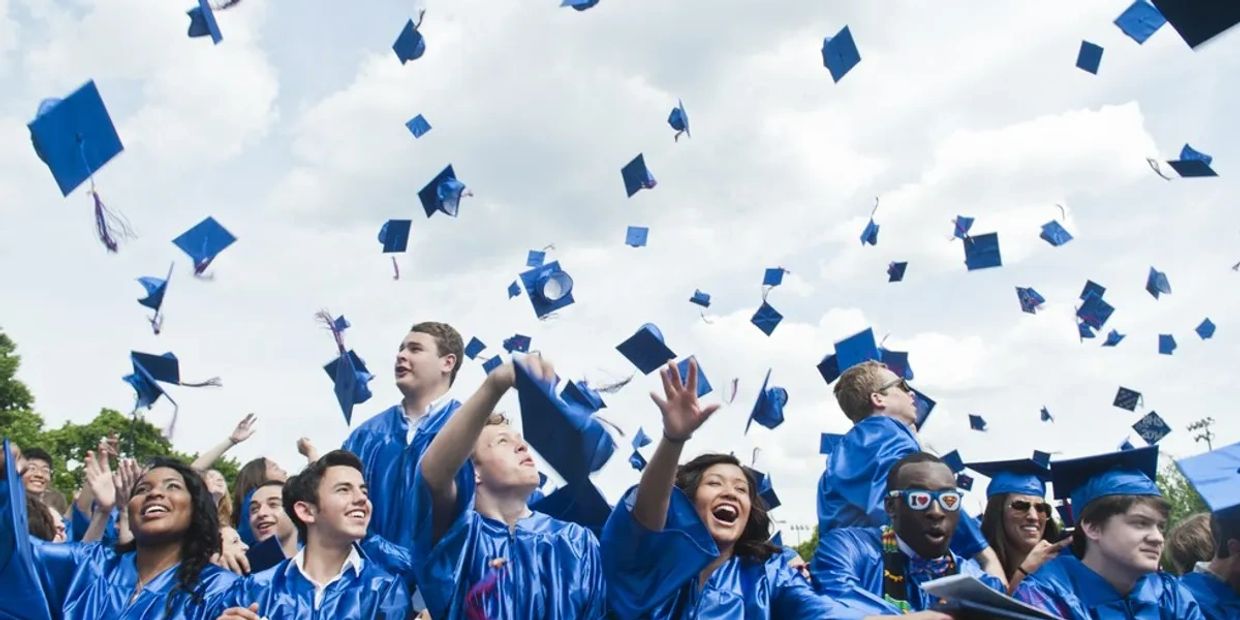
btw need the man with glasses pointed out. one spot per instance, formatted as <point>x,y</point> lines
<point>880,569</point>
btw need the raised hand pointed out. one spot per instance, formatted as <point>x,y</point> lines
<point>99,480</point>
<point>125,477</point>
<point>1042,553</point>
<point>682,414</point>
<point>244,430</point>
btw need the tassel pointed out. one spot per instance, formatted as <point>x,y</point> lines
<point>326,318</point>
<point>612,388</point>
<point>474,609</point>
<point>157,323</point>
<point>212,382</point>
<point>1154,166</point>
<point>395,269</point>
<point>108,225</point>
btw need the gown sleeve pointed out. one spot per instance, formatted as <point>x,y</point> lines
<point>836,572</point>
<point>793,597</point>
<point>392,557</point>
<point>851,489</point>
<point>21,593</point>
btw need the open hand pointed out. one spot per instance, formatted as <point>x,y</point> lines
<point>99,480</point>
<point>682,414</point>
<point>244,430</point>
<point>1042,553</point>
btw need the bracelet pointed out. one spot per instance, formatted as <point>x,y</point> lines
<point>670,439</point>
<point>1022,569</point>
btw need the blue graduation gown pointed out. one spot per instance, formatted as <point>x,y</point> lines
<point>1216,599</point>
<point>21,593</point>
<point>655,574</point>
<point>552,569</point>
<point>283,593</point>
<point>388,461</point>
<point>78,523</point>
<point>848,567</point>
<point>851,489</point>
<point>1066,587</point>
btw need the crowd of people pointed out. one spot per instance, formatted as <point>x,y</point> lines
<point>426,512</point>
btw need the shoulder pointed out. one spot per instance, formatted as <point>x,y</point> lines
<point>572,534</point>
<point>860,536</point>
<point>379,422</point>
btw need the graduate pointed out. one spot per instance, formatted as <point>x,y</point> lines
<point>883,410</point>
<point>693,541</point>
<point>165,573</point>
<point>1216,584</point>
<point>482,552</point>
<point>1018,522</point>
<point>268,519</point>
<point>330,577</point>
<point>390,444</point>
<point>1112,572</point>
<point>881,569</point>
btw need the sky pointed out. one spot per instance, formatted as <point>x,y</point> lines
<point>291,134</point>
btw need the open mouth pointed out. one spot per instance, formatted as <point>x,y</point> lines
<point>265,527</point>
<point>726,513</point>
<point>936,535</point>
<point>356,513</point>
<point>155,511</point>
<point>527,461</point>
<point>402,371</point>
<point>1030,530</point>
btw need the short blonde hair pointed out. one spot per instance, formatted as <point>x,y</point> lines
<point>855,386</point>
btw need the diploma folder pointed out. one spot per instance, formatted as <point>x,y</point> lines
<point>965,597</point>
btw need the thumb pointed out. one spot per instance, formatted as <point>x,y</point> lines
<point>254,607</point>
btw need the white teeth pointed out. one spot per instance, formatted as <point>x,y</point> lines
<point>155,509</point>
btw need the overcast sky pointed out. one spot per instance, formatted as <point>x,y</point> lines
<point>291,134</point>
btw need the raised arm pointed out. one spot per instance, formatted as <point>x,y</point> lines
<point>102,486</point>
<point>306,448</point>
<point>243,431</point>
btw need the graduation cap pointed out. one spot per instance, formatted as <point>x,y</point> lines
<point>645,349</point>
<point>1084,331</point>
<point>636,176</point>
<point>514,290</point>
<point>1216,476</point>
<point>1127,399</point>
<point>1029,299</point>
<point>149,371</point>
<point>157,287</point>
<point>679,120</point>
<point>778,539</point>
<point>474,347</point>
<point>535,258</point>
<point>828,441</point>
<point>839,54</point>
<point>23,587</point>
<point>1127,472</point>
<point>1113,338</point>
<point>347,372</point>
<point>1198,21</point>
<point>637,461</point>
<point>492,363</point>
<point>580,393</point>
<point>1089,57</point>
<point>700,298</point>
<point>703,384</point>
<point>870,233</point>
<point>964,481</point>
<point>768,410</point>
<point>1206,329</point>
<point>1092,288</point>
<point>897,362</point>
<point>1094,312</point>
<point>418,126</point>
<point>1046,415</point>
<point>1151,428</point>
<point>410,44</point>
<point>1055,234</point>
<point>1166,344</point>
<point>924,406</point>
<point>635,236</point>
<point>641,439</point>
<point>443,193</point>
<point>1193,163</point>
<point>895,271</point>
<point>954,461</point>
<point>578,502</point>
<point>982,251</point>
<point>767,318</point>
<point>263,555</point>
<point>202,22</point>
<point>517,342</point>
<point>204,242</point>
<point>549,288</point>
<point>394,235</point>
<point>1019,476</point>
<point>961,226</point>
<point>1140,21</point>
<point>1126,445</point>
<point>829,368</point>
<point>579,5</point>
<point>976,422</point>
<point>766,490</point>
<point>1156,283</point>
<point>855,349</point>
<point>566,434</point>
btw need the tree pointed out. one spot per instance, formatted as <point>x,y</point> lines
<point>807,548</point>
<point>18,421</point>
<point>1180,494</point>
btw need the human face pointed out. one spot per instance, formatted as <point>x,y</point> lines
<point>929,531</point>
<point>231,540</point>
<point>1024,528</point>
<point>267,516</point>
<point>36,476</point>
<point>723,502</point>
<point>503,463</point>
<point>216,485</point>
<point>59,521</point>
<point>275,472</point>
<point>419,367</point>
<point>343,508</point>
<point>160,507</point>
<point>895,398</point>
<point>1132,541</point>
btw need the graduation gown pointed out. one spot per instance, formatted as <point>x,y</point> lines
<point>552,568</point>
<point>388,462</point>
<point>1066,587</point>
<point>655,574</point>
<point>848,567</point>
<point>282,592</point>
<point>21,593</point>
<point>1216,599</point>
<point>851,489</point>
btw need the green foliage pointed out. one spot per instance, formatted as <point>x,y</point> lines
<point>1180,494</point>
<point>806,549</point>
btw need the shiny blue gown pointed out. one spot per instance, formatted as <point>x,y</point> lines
<point>848,567</point>
<point>552,568</point>
<point>1216,599</point>
<point>388,461</point>
<point>851,489</point>
<point>1066,587</point>
<point>283,593</point>
<point>655,574</point>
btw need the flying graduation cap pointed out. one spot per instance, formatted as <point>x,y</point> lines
<point>636,176</point>
<point>418,126</point>
<point>1140,21</point>
<point>679,120</point>
<point>767,318</point>
<point>1030,299</point>
<point>514,289</point>
<point>579,5</point>
<point>1127,399</point>
<point>517,342</point>
<point>1157,284</point>
<point>443,193</point>
<point>347,372</point>
<point>565,434</point>
<point>635,236</point>
<point>549,288</point>
<point>149,371</point>
<point>700,298</point>
<point>640,440</point>
<point>977,422</point>
<point>410,44</point>
<point>1198,21</point>
<point>1166,344</point>
<point>768,409</point>
<point>202,22</point>
<point>155,290</point>
<point>1055,234</point>
<point>645,349</point>
<point>961,226</point>
<point>766,490</point>
<point>1152,428</point>
<point>703,384</point>
<point>1113,338</point>
<point>839,54</point>
<point>1046,415</point>
<point>394,235</point>
<point>1206,330</point>
<point>1089,57</point>
<point>1193,163</point>
<point>895,271</point>
<point>869,234</point>
<point>474,347</point>
<point>580,393</point>
<point>982,251</point>
<point>204,242</point>
<point>578,502</point>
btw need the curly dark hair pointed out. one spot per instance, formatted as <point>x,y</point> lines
<point>201,539</point>
<point>754,544</point>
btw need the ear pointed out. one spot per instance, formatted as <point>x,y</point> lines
<point>1093,531</point>
<point>305,511</point>
<point>448,362</point>
<point>892,506</point>
<point>877,401</point>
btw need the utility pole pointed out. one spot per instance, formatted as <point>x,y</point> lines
<point>1202,428</point>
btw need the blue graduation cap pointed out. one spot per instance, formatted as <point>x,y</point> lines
<point>703,384</point>
<point>768,410</point>
<point>349,379</point>
<point>895,271</point>
<point>635,236</point>
<point>976,422</point>
<point>1042,459</point>
<point>418,126</point>
<point>1029,299</point>
<point>474,347</point>
<point>839,54</point>
<point>264,555</point>
<point>897,362</point>
<point>549,288</point>
<point>766,318</point>
<point>443,193</point>
<point>700,298</point>
<point>1089,57</point>
<point>517,342</point>
<point>954,461</point>
<point>492,363</point>
<point>1140,21</point>
<point>580,393</point>
<point>855,349</point>
<point>828,441</point>
<point>679,120</point>
<point>1094,312</point>
<point>636,176</point>
<point>1206,329</point>
<point>1055,234</point>
<point>924,406</point>
<point>535,258</point>
<point>870,233</point>
<point>773,276</point>
<point>410,44</point>
<point>1127,399</point>
<point>1019,476</point>
<point>23,587</point>
<point>637,461</point>
<point>1193,163</point>
<point>1084,331</point>
<point>149,371</point>
<point>645,349</point>
<point>1151,428</point>
<point>1156,283</point>
<point>964,481</point>
<point>829,368</point>
<point>982,251</point>
<point>565,434</point>
<point>202,22</point>
<point>579,502</point>
<point>1127,472</point>
<point>961,226</point>
<point>766,490</point>
<point>394,235</point>
<point>74,136</point>
<point>1199,21</point>
<point>1127,445</point>
<point>1046,415</point>
<point>514,290</point>
<point>1113,338</point>
<point>157,287</point>
<point>1215,476</point>
<point>579,5</point>
<point>204,242</point>
<point>1166,344</point>
<point>1092,288</point>
<point>641,439</point>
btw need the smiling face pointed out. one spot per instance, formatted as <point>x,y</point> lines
<point>1024,528</point>
<point>723,501</point>
<point>36,476</point>
<point>929,531</point>
<point>1131,541</point>
<point>267,516</point>
<point>342,510</point>
<point>160,508</point>
<point>419,368</point>
<point>274,471</point>
<point>503,463</point>
<point>216,484</point>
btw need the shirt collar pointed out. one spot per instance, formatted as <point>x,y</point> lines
<point>354,561</point>
<point>434,404</point>
<point>907,550</point>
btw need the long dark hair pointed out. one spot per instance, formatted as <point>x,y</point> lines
<point>754,544</point>
<point>199,542</point>
<point>992,529</point>
<point>251,476</point>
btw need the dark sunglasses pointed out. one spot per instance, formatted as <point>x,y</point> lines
<point>899,381</point>
<point>1021,505</point>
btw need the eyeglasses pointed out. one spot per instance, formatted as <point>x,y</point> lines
<point>1021,505</point>
<point>42,469</point>
<point>898,381</point>
<point>920,499</point>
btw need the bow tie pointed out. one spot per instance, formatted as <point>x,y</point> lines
<point>924,570</point>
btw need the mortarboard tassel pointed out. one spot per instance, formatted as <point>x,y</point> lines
<point>1154,166</point>
<point>157,322</point>
<point>735,383</point>
<point>473,598</point>
<point>395,269</point>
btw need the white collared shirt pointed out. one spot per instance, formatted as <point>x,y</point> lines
<point>354,561</point>
<point>414,423</point>
<point>908,551</point>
